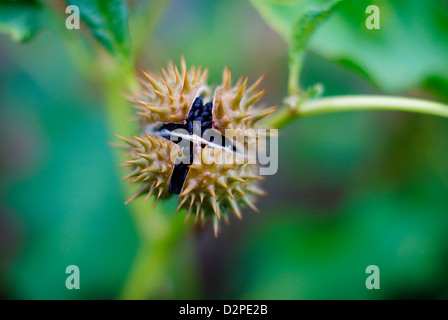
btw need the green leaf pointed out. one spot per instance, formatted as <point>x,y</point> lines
<point>301,33</point>
<point>407,51</point>
<point>409,48</point>
<point>108,21</point>
<point>283,15</point>
<point>21,19</point>
<point>295,21</point>
<point>306,24</point>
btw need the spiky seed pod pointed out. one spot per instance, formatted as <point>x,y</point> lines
<point>214,185</point>
<point>152,161</point>
<point>168,98</point>
<point>217,183</point>
<point>234,106</point>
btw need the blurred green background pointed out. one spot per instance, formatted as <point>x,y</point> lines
<point>353,189</point>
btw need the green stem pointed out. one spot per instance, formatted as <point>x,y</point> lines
<point>354,103</point>
<point>295,68</point>
<point>159,232</point>
<point>160,235</point>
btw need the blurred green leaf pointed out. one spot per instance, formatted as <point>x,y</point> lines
<point>306,24</point>
<point>409,48</point>
<point>21,19</point>
<point>302,30</point>
<point>283,15</point>
<point>295,21</point>
<point>108,21</point>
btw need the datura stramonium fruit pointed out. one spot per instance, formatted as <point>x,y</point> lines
<point>195,142</point>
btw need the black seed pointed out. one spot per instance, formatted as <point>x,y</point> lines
<point>203,114</point>
<point>178,177</point>
<point>198,102</point>
<point>206,125</point>
<point>190,127</point>
<point>208,107</point>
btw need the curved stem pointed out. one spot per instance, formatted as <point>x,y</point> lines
<point>295,68</point>
<point>159,232</point>
<point>355,103</point>
<point>151,272</point>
